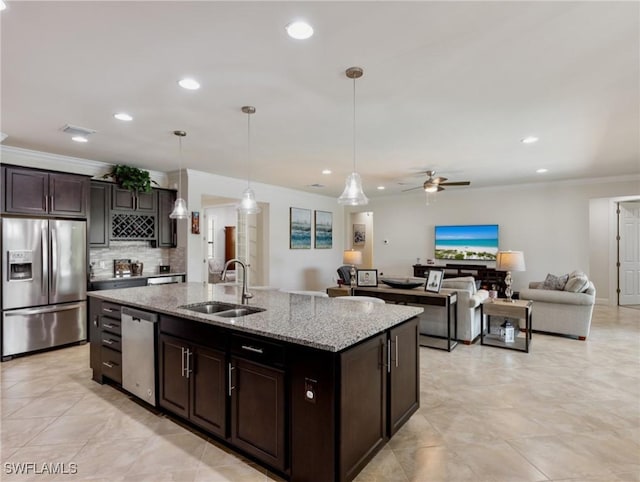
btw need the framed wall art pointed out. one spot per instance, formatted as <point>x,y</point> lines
<point>299,228</point>
<point>323,230</point>
<point>359,234</point>
<point>195,222</point>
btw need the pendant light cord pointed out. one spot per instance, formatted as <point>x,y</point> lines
<point>248,148</point>
<point>180,167</point>
<point>354,124</point>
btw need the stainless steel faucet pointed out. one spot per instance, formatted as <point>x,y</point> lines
<point>245,294</point>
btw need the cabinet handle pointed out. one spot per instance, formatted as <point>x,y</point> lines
<point>388,356</point>
<point>182,348</point>
<point>107,341</point>
<point>252,348</point>
<point>188,370</point>
<point>108,310</point>
<point>107,364</point>
<point>95,321</point>
<point>230,386</point>
<point>396,351</point>
<point>107,325</point>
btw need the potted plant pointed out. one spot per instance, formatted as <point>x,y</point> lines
<point>132,178</point>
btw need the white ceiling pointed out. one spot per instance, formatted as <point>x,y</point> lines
<point>450,86</point>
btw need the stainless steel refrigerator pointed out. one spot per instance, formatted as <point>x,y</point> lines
<point>43,284</point>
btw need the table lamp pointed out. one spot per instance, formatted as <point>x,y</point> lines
<point>509,261</point>
<point>353,258</point>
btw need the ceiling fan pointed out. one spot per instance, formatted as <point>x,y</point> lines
<point>435,184</point>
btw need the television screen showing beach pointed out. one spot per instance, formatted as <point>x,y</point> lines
<point>473,242</point>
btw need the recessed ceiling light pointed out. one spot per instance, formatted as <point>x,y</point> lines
<point>79,139</point>
<point>529,140</point>
<point>326,171</point>
<point>380,188</point>
<point>189,84</point>
<point>3,5</point>
<point>299,30</point>
<point>123,116</point>
<point>542,170</point>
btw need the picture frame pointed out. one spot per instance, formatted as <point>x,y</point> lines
<point>359,234</point>
<point>299,228</point>
<point>195,222</point>
<point>434,280</point>
<point>323,224</point>
<point>367,277</point>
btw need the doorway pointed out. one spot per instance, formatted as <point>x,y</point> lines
<point>629,253</point>
<point>360,231</point>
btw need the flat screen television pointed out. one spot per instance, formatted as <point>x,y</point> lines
<point>478,242</point>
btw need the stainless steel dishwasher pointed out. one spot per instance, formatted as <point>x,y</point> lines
<point>139,353</point>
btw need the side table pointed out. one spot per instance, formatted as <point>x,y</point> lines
<point>521,309</point>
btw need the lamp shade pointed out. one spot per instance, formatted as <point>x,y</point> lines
<point>248,205</point>
<point>179,210</point>
<point>352,257</point>
<point>510,261</point>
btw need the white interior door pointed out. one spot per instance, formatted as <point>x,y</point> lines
<point>629,253</point>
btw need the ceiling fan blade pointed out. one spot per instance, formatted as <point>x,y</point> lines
<point>456,183</point>
<point>412,189</point>
<point>438,180</point>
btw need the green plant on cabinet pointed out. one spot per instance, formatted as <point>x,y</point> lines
<point>132,178</point>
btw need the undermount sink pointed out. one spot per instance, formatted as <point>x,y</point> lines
<point>225,310</point>
<point>237,312</point>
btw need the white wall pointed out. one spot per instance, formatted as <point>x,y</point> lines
<point>311,269</point>
<point>552,223</point>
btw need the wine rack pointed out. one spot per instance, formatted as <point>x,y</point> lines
<point>132,226</point>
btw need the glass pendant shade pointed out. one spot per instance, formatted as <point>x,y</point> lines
<point>353,195</point>
<point>179,210</point>
<point>248,205</point>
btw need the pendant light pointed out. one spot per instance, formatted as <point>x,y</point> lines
<point>248,204</point>
<point>180,207</point>
<point>353,195</point>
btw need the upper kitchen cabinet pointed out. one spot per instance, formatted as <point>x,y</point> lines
<point>37,192</point>
<point>126,200</point>
<point>100,200</point>
<point>167,230</point>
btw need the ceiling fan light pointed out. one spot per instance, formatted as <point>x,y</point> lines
<point>353,194</point>
<point>179,210</point>
<point>431,188</point>
<point>248,204</point>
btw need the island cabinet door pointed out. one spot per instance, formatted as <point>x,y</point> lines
<point>207,389</point>
<point>363,405</point>
<point>404,387</point>
<point>174,385</point>
<point>95,358</point>
<point>258,411</point>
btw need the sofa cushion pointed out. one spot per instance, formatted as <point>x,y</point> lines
<point>553,282</point>
<point>577,283</point>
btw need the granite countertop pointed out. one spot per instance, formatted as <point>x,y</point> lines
<point>323,323</point>
<point>143,276</point>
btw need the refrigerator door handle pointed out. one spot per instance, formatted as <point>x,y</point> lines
<point>54,261</point>
<point>47,309</point>
<point>43,261</point>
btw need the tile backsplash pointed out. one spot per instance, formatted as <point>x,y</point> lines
<point>102,258</point>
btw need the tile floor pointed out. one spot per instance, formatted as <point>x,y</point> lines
<point>568,410</point>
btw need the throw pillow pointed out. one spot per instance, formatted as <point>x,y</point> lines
<point>553,282</point>
<point>577,283</point>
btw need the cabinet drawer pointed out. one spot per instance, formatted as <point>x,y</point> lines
<point>258,350</point>
<point>205,335</point>
<point>111,325</point>
<point>112,341</point>
<point>109,309</point>
<point>111,364</point>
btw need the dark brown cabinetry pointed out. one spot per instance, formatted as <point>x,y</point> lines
<point>487,277</point>
<point>257,390</point>
<point>113,284</point>
<point>193,382</point>
<point>36,192</point>
<point>99,201</point>
<point>105,337</point>
<point>404,371</point>
<point>167,232</point>
<point>126,200</point>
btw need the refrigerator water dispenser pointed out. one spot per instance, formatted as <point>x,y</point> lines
<point>20,265</point>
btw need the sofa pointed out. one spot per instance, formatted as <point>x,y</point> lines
<point>559,310</point>
<point>433,320</point>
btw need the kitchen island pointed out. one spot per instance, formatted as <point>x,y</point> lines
<point>310,387</point>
